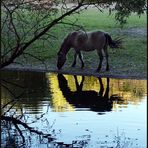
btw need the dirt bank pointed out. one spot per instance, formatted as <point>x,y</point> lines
<point>78,71</point>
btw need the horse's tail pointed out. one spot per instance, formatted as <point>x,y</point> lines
<point>113,43</point>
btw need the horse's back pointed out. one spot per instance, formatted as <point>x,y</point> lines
<point>88,41</point>
<point>78,38</point>
<point>97,38</point>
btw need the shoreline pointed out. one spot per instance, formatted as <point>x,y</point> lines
<point>48,70</point>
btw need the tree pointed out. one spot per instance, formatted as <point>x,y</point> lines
<point>23,22</point>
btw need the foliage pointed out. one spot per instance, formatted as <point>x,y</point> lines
<point>123,8</point>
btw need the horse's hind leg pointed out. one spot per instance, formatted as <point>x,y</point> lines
<point>74,62</point>
<point>101,59</point>
<point>81,58</point>
<point>101,87</point>
<point>106,55</point>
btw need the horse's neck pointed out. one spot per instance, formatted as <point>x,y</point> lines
<point>66,45</point>
<point>65,51</point>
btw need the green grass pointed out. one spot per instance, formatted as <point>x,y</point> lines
<point>94,19</point>
<point>131,59</point>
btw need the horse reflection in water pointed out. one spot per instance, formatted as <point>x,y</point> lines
<point>91,99</point>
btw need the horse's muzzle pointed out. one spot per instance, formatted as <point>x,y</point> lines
<point>60,62</point>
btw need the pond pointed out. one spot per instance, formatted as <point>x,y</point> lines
<point>57,110</point>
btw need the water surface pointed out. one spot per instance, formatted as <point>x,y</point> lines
<point>77,111</point>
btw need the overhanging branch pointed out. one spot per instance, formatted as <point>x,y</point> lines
<point>21,49</point>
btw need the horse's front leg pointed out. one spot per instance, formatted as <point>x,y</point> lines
<point>74,61</point>
<point>79,86</point>
<point>81,59</point>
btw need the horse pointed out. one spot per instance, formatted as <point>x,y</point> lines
<point>87,41</point>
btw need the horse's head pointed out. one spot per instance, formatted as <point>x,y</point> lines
<point>66,45</point>
<point>61,60</point>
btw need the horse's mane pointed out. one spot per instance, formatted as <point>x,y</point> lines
<point>66,39</point>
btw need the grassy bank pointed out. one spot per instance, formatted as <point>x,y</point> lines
<point>130,59</point>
